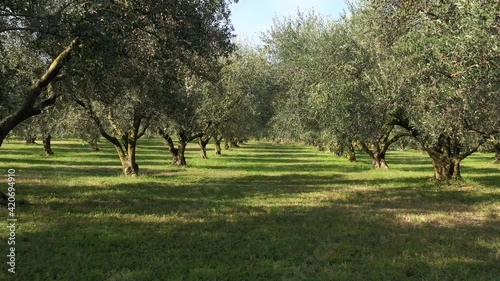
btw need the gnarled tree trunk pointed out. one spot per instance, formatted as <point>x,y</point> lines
<point>445,167</point>
<point>234,144</point>
<point>351,153</point>
<point>124,141</point>
<point>203,146</point>
<point>46,145</point>
<point>378,155</point>
<point>30,139</point>
<point>184,138</point>
<point>380,146</point>
<point>177,153</point>
<point>181,149</point>
<point>379,160</point>
<point>446,151</point>
<point>94,146</point>
<point>127,158</point>
<point>446,156</point>
<point>218,150</point>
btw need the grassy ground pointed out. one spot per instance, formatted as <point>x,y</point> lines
<point>261,212</point>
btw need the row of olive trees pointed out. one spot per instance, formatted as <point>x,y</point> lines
<point>391,70</point>
<point>232,107</point>
<point>127,71</point>
<point>129,66</point>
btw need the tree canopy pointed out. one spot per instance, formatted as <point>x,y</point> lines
<point>389,71</point>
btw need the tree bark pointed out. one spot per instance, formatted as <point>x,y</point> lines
<point>234,144</point>
<point>226,144</point>
<point>177,153</point>
<point>181,149</point>
<point>127,158</point>
<point>47,146</point>
<point>445,167</point>
<point>94,145</point>
<point>378,155</point>
<point>445,156</point>
<point>218,150</point>
<point>351,153</point>
<point>30,139</point>
<point>203,147</point>
<point>379,160</point>
<point>446,152</point>
<point>381,145</point>
<point>125,142</point>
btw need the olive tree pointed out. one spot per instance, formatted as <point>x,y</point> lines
<point>449,51</point>
<point>149,70</point>
<point>37,40</point>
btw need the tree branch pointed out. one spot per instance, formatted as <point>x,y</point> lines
<point>200,134</point>
<point>115,126</point>
<point>366,149</point>
<point>144,127</point>
<point>396,137</point>
<point>170,143</point>
<point>88,108</point>
<point>474,149</point>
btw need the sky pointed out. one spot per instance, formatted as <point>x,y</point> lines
<point>252,17</point>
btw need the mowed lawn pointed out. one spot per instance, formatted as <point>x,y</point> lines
<point>259,212</point>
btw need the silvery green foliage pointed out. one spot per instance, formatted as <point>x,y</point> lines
<point>337,84</point>
<point>447,70</point>
<point>429,68</point>
<point>135,48</point>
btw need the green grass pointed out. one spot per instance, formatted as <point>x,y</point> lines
<point>260,212</point>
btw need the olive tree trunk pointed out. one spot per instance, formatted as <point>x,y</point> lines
<point>181,150</point>
<point>202,142</point>
<point>218,150</point>
<point>446,155</point>
<point>178,153</point>
<point>377,155</point>
<point>377,148</point>
<point>124,141</point>
<point>351,153</point>
<point>30,139</point>
<point>47,145</point>
<point>94,145</point>
<point>127,158</point>
<point>234,144</point>
<point>445,167</point>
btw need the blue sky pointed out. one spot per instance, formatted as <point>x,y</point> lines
<point>252,17</point>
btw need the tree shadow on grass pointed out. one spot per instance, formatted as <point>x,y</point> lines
<point>297,225</point>
<point>372,235</point>
<point>154,197</point>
